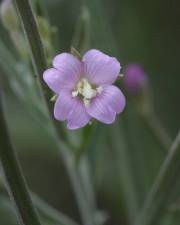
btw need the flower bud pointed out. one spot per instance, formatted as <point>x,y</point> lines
<point>46,32</point>
<point>137,86</point>
<point>8,15</point>
<point>135,79</point>
<point>20,43</point>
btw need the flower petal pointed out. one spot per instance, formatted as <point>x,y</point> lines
<point>52,78</point>
<point>114,98</point>
<point>100,68</point>
<point>69,66</point>
<point>105,106</point>
<point>78,117</point>
<point>99,110</point>
<point>66,73</point>
<point>64,105</point>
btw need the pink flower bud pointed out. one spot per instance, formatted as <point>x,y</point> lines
<point>135,78</point>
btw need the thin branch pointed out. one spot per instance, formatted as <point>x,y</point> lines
<point>157,130</point>
<point>15,181</point>
<point>45,209</point>
<point>51,212</point>
<point>155,203</point>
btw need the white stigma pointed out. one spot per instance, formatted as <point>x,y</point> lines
<point>86,91</point>
<point>99,89</point>
<point>74,93</point>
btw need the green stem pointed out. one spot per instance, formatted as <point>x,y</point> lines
<point>50,212</point>
<point>157,130</point>
<point>86,138</point>
<point>37,52</point>
<point>157,199</point>
<point>15,181</point>
<point>46,210</point>
<point>39,62</point>
<point>81,42</point>
<point>123,163</point>
<point>85,175</point>
<point>79,190</point>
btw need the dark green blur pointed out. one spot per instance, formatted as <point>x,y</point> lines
<point>124,157</point>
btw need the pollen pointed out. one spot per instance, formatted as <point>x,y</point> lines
<point>86,91</point>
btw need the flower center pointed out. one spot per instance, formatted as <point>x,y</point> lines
<point>86,91</point>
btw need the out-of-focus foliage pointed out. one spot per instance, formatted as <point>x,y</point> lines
<point>124,157</point>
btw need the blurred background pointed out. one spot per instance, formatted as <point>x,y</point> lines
<point>123,158</point>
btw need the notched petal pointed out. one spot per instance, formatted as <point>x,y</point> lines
<point>99,110</point>
<point>78,117</point>
<point>65,74</point>
<point>107,104</point>
<point>114,98</point>
<point>64,105</point>
<point>51,77</point>
<point>68,64</point>
<point>100,68</point>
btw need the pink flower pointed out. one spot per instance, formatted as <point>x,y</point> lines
<point>85,89</point>
<point>135,78</point>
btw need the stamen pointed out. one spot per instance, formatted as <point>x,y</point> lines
<point>99,89</point>
<point>86,102</point>
<point>86,91</point>
<point>74,93</point>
